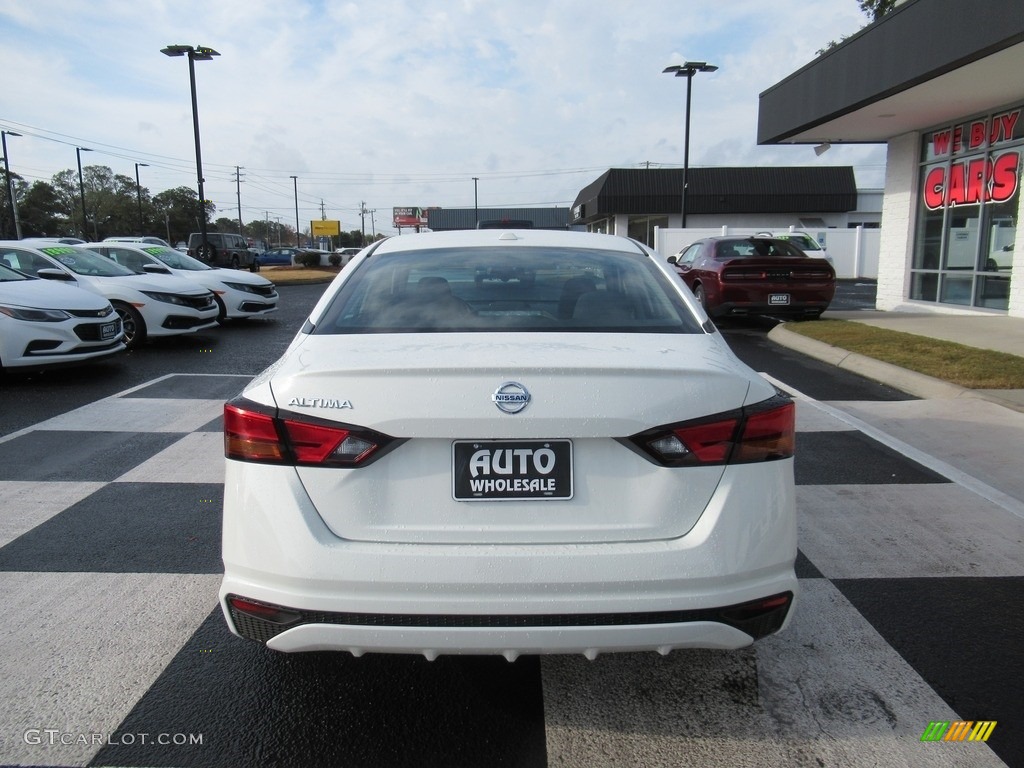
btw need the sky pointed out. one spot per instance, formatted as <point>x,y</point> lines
<point>391,103</point>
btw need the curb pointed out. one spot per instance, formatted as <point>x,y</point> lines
<point>911,382</point>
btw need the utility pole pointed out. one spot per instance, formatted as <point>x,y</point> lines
<point>373,224</point>
<point>238,193</point>
<point>362,221</point>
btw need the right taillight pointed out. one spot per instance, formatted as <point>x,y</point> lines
<point>259,434</point>
<point>765,431</point>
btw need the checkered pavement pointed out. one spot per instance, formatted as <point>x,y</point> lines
<point>113,650</point>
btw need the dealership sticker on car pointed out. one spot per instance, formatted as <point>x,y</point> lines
<point>776,299</point>
<point>511,470</point>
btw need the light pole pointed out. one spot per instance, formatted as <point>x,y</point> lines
<point>195,53</point>
<point>138,192</point>
<point>10,184</point>
<point>688,69</point>
<point>295,183</point>
<point>476,208</point>
<point>81,188</point>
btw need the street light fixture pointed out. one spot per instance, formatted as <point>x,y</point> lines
<point>195,53</point>
<point>10,184</point>
<point>81,190</point>
<point>688,69</point>
<point>138,192</point>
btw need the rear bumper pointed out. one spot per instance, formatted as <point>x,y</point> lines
<point>507,599</point>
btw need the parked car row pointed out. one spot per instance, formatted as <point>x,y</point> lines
<point>757,275</point>
<point>64,303</point>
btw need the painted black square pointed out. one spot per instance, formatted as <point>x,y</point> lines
<point>127,528</point>
<point>853,458</point>
<point>963,636</point>
<point>255,707</point>
<point>805,569</point>
<point>43,455</point>
<point>216,425</point>
<point>195,387</point>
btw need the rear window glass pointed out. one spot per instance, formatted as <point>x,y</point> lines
<point>756,248</point>
<point>507,289</point>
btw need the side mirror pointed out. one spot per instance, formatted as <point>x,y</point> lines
<point>673,258</point>
<point>52,273</point>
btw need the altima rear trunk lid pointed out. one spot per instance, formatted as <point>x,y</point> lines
<point>437,390</point>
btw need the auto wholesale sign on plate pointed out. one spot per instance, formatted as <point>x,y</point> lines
<point>511,470</point>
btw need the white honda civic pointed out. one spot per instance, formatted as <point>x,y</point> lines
<point>239,295</point>
<point>508,442</point>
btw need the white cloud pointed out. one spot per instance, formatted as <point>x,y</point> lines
<point>399,103</point>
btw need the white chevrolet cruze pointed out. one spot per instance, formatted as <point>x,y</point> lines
<point>44,323</point>
<point>508,442</point>
<point>239,295</point>
<point>148,305</point>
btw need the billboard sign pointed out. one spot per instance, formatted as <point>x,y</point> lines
<point>324,228</point>
<point>408,217</point>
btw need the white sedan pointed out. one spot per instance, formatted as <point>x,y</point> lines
<point>508,442</point>
<point>149,306</point>
<point>239,295</point>
<point>44,323</point>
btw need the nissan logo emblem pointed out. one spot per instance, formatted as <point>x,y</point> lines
<point>511,397</point>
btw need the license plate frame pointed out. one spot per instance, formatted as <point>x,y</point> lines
<point>778,299</point>
<point>512,470</point>
<point>108,331</point>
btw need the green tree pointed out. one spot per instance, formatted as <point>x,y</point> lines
<point>40,211</point>
<point>873,9</point>
<point>177,211</point>
<point>876,9</point>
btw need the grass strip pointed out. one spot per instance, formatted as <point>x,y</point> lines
<point>966,366</point>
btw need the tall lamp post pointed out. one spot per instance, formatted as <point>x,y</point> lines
<point>10,184</point>
<point>81,189</point>
<point>476,207</point>
<point>195,53</point>
<point>295,183</point>
<point>688,69</point>
<point>138,192</point>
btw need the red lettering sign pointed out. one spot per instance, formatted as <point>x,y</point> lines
<point>973,181</point>
<point>977,134</point>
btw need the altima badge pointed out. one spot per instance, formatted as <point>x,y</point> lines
<point>511,397</point>
<point>318,402</point>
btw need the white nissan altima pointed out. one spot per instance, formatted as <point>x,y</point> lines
<point>508,442</point>
<point>153,305</point>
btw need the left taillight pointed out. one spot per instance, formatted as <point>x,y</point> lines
<point>259,434</point>
<point>765,431</point>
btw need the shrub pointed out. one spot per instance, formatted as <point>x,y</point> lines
<point>308,259</point>
<point>334,259</point>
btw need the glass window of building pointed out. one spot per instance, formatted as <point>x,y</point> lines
<point>967,215</point>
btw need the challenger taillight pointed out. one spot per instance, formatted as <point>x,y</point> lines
<point>764,431</point>
<point>259,434</point>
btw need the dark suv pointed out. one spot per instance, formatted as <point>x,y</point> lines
<point>222,250</point>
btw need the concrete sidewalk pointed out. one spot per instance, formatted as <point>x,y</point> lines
<point>997,332</point>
